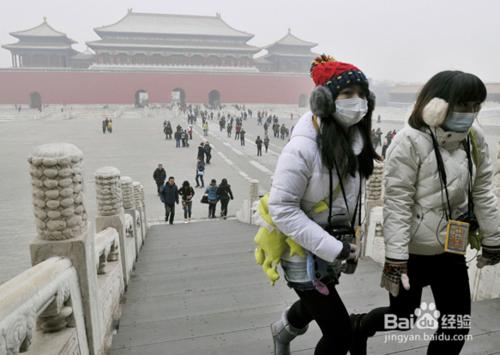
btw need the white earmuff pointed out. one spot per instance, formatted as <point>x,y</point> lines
<point>434,113</point>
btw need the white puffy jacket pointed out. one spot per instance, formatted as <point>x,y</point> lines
<point>414,220</point>
<point>301,181</point>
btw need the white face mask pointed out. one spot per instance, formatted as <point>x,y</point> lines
<point>348,112</point>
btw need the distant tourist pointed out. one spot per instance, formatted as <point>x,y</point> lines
<point>208,152</point>
<point>187,193</point>
<point>110,126</point>
<point>169,195</point>
<point>242,137</point>
<point>258,143</point>
<point>104,126</point>
<point>266,142</point>
<point>201,152</point>
<point>211,193</point>
<point>177,137</point>
<point>200,171</point>
<point>159,176</point>
<point>224,194</point>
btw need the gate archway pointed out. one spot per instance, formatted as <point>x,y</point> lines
<point>214,98</point>
<point>35,100</point>
<point>178,95</point>
<point>141,98</point>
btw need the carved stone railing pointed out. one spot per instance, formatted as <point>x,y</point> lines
<point>73,291</point>
<point>43,299</point>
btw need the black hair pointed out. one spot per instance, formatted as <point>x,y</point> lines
<point>223,182</point>
<point>335,145</point>
<point>453,86</point>
<point>185,184</point>
<point>171,177</point>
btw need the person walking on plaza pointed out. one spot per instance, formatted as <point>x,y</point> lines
<point>266,142</point>
<point>225,194</point>
<point>258,143</point>
<point>439,197</point>
<point>190,132</point>
<point>229,130</point>
<point>200,171</point>
<point>211,192</point>
<point>104,126</point>
<point>242,136</point>
<point>201,152</point>
<point>169,195</point>
<point>110,126</point>
<point>159,176</point>
<point>208,152</point>
<point>330,151</point>
<point>237,131</point>
<point>187,193</point>
<point>177,137</point>
<point>205,129</point>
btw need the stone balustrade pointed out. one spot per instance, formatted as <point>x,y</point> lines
<point>46,297</point>
<point>73,291</point>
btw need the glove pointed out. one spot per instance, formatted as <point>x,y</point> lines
<point>395,272</point>
<point>349,251</point>
<point>490,256</point>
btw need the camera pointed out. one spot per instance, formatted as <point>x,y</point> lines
<point>347,234</point>
<point>469,217</point>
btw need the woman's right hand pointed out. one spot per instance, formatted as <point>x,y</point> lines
<point>395,273</point>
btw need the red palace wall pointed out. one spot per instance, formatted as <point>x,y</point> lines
<point>93,87</point>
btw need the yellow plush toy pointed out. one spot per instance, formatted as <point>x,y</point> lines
<point>271,243</point>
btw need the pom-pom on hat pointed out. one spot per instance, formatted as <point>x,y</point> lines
<point>334,75</point>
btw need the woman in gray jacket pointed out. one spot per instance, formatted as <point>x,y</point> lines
<point>324,164</point>
<point>438,186</point>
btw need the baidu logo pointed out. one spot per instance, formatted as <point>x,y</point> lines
<point>427,316</point>
<point>424,317</point>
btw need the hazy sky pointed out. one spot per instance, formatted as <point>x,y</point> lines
<point>400,40</point>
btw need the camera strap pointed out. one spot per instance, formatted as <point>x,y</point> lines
<point>443,179</point>
<point>330,198</point>
<point>470,202</point>
<point>442,175</point>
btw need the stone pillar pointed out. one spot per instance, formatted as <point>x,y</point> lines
<point>374,198</point>
<point>143,201</point>
<point>110,211</point>
<point>62,225</point>
<point>129,205</point>
<point>140,214</point>
<point>496,177</point>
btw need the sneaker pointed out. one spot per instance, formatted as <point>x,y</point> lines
<point>185,221</point>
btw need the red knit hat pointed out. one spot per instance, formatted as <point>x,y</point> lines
<point>331,77</point>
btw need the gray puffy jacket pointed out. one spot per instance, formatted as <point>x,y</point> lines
<point>414,219</point>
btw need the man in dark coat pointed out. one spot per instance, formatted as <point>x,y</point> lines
<point>208,152</point>
<point>170,196</point>
<point>258,143</point>
<point>201,152</point>
<point>159,175</point>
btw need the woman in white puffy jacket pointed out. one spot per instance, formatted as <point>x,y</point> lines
<point>328,157</point>
<point>438,175</point>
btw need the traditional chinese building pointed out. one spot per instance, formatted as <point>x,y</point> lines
<point>173,42</point>
<point>164,57</point>
<point>289,54</point>
<point>41,46</point>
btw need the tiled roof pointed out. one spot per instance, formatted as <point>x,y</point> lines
<point>135,22</point>
<point>42,30</point>
<point>291,40</point>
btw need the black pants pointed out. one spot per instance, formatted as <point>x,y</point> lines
<point>209,156</point>
<point>159,184</point>
<point>169,212</point>
<point>211,209</point>
<point>330,314</point>
<point>259,151</point>
<point>447,276</point>
<point>223,207</point>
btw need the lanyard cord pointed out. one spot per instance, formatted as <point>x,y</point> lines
<point>470,202</point>
<point>442,175</point>
<point>330,198</point>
